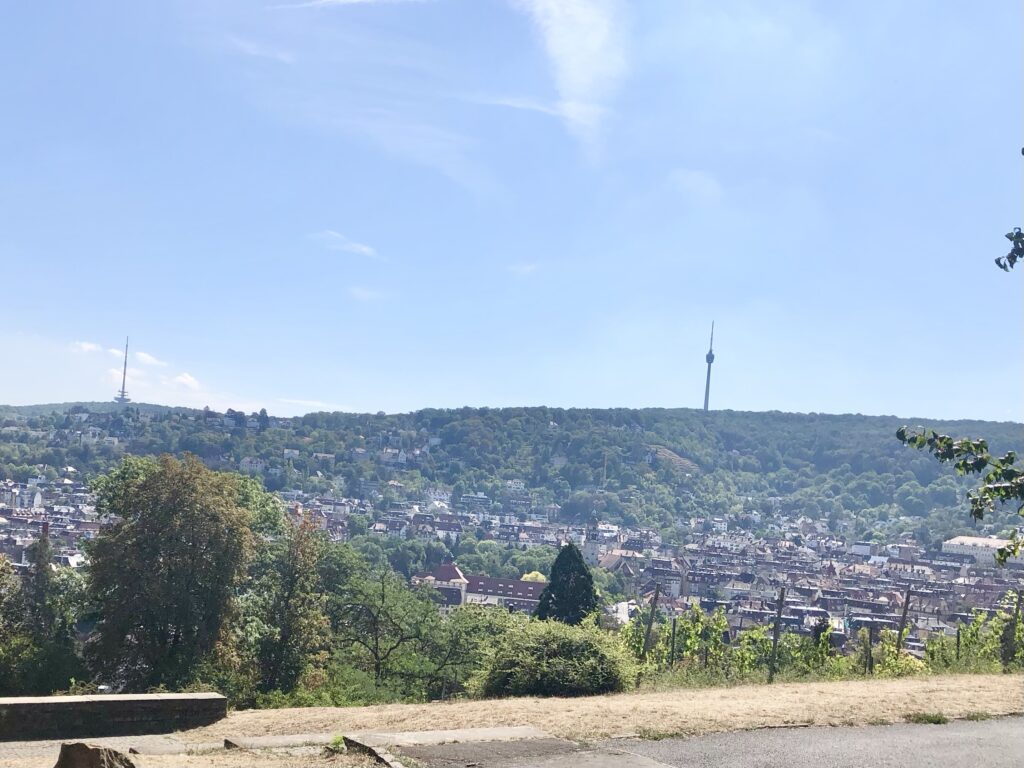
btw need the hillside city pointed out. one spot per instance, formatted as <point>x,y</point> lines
<point>734,561</point>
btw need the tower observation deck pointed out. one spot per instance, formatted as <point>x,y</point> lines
<point>122,393</point>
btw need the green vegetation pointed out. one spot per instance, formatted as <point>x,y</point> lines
<point>985,644</point>
<point>927,718</point>
<point>336,746</point>
<point>1016,252</point>
<point>38,652</point>
<point>163,577</point>
<point>652,467</point>
<point>570,596</point>
<point>976,717</point>
<point>1002,482</point>
<point>548,658</point>
<point>204,583</point>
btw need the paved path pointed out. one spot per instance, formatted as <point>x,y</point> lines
<point>535,753</point>
<point>992,744</point>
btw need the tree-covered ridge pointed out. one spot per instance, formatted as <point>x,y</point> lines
<point>651,466</point>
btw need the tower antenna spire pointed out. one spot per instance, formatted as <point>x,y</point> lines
<point>122,394</point>
<point>710,357</point>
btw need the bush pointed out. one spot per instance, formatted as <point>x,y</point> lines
<point>926,718</point>
<point>893,663</point>
<point>548,658</point>
<point>339,685</point>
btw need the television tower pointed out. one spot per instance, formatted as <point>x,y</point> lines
<point>122,394</point>
<point>710,357</point>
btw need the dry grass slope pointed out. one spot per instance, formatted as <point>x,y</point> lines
<point>683,712</point>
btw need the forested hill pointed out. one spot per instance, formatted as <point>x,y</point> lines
<point>651,466</point>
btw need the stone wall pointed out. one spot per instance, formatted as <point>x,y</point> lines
<point>69,717</point>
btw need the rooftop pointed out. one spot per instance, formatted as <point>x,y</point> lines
<point>978,541</point>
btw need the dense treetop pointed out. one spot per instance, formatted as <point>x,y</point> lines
<point>649,466</point>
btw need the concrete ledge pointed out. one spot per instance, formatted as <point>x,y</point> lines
<point>462,735</point>
<point>73,717</point>
<point>379,744</point>
<point>279,742</point>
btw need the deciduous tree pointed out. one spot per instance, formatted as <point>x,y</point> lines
<point>164,574</point>
<point>294,614</point>
<point>385,625</point>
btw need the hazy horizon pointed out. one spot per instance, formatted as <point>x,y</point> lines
<point>912,420</point>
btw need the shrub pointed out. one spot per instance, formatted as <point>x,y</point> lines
<point>893,663</point>
<point>548,658</point>
<point>926,718</point>
<point>340,685</point>
<point>336,747</point>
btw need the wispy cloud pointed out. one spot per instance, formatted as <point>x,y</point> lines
<point>259,50</point>
<point>522,268</point>
<point>86,346</point>
<point>584,41</point>
<point>188,381</point>
<point>335,241</point>
<point>373,85</point>
<point>363,294</point>
<point>447,152</point>
<point>147,359</point>
<point>115,352</point>
<point>514,102</point>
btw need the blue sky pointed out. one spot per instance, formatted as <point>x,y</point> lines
<point>390,205</point>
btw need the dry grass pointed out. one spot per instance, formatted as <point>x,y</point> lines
<point>650,715</point>
<point>684,711</point>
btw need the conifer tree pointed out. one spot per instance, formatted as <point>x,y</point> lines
<point>569,596</point>
<point>39,587</point>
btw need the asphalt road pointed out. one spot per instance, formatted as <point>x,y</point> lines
<point>992,744</point>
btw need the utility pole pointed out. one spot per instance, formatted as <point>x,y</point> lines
<point>650,620</point>
<point>903,620</point>
<point>672,653</point>
<point>1009,644</point>
<point>870,660</point>
<point>772,664</point>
